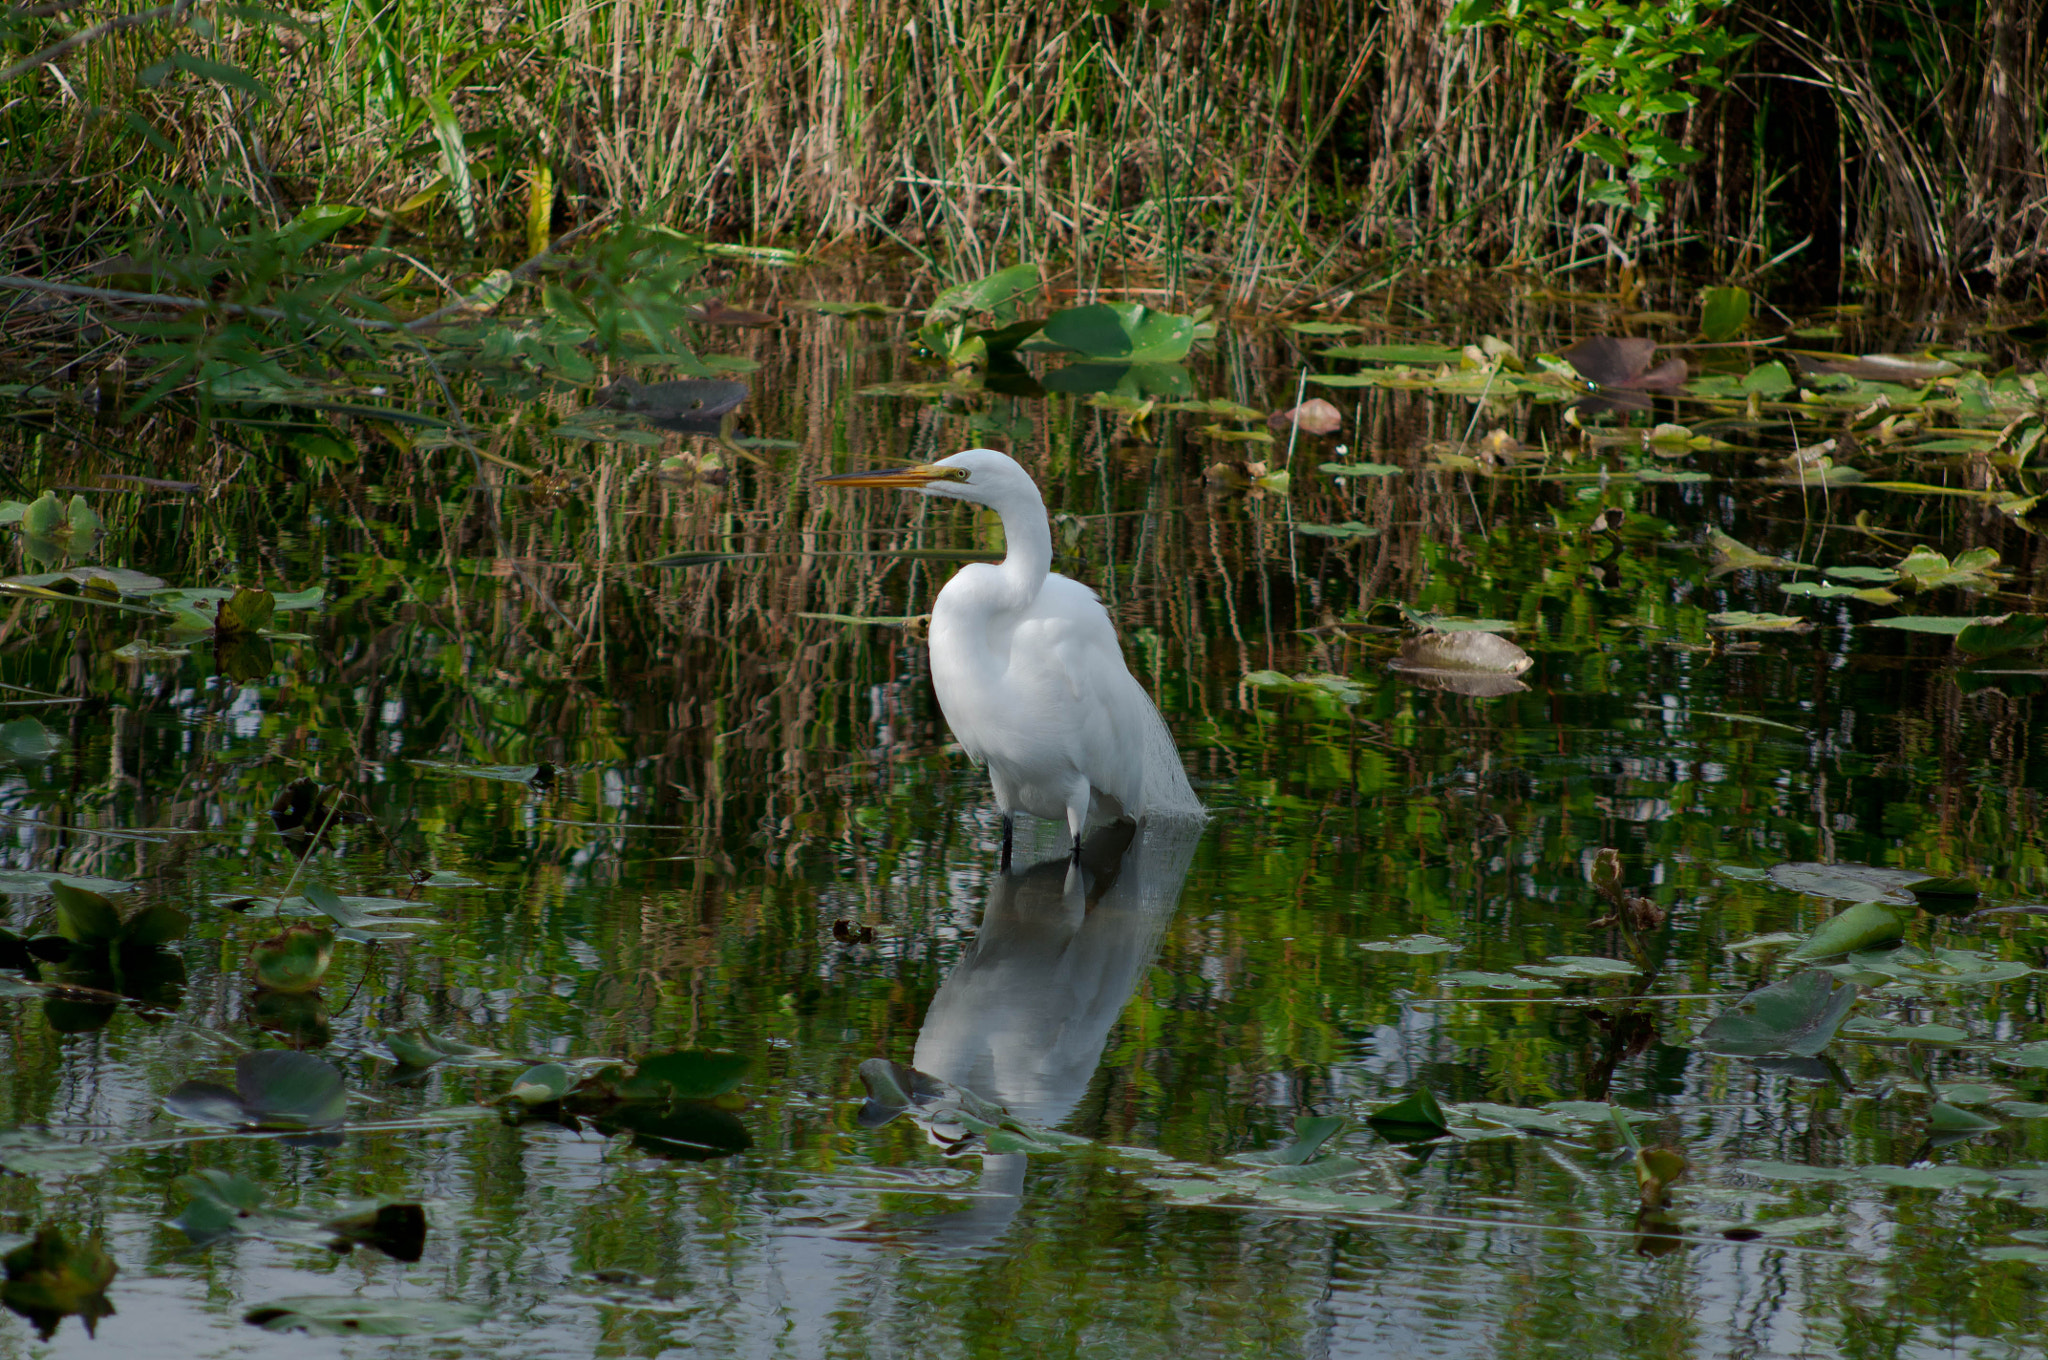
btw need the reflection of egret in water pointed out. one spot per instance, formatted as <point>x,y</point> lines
<point>1023,1017</point>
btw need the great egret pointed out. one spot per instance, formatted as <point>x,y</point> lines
<point>1028,671</point>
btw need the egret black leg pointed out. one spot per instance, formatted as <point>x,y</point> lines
<point>1008,826</point>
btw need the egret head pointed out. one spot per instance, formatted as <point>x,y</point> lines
<point>983,476</point>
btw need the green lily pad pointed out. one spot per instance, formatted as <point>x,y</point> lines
<point>1798,1015</point>
<point>273,1090</point>
<point>1857,927</point>
<point>1413,944</point>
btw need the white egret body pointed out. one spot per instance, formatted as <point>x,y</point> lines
<point>1028,670</point>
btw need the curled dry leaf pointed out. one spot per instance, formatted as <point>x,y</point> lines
<point>1464,652</point>
<point>1314,416</point>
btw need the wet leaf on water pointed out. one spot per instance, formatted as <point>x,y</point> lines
<point>1938,967</point>
<point>1499,982</point>
<point>1943,894</point>
<point>28,739</point>
<point>1317,1200</point>
<point>1768,380</point>
<point>541,1085</point>
<point>1579,966</point>
<point>510,774</point>
<point>1755,944</point>
<point>2033,1256</point>
<point>1794,1171</point>
<point>1350,529</point>
<point>1485,653</point>
<point>1943,625</point>
<point>1825,590</point>
<point>1611,361</point>
<point>1313,1172</point>
<point>1860,926</point>
<point>1412,944</point>
<point>351,1315</point>
<point>56,1274</point>
<point>2004,633</point>
<point>1749,621</point>
<point>32,1152</point>
<point>1128,332</point>
<point>246,611</point>
<point>294,961</point>
<point>1943,1117</point>
<point>420,1049</point>
<point>686,1074</point>
<point>1847,882</point>
<point>1924,1177</point>
<point>273,1090</point>
<point>1897,368</point>
<point>1311,1132</point>
<point>1413,1116</point>
<point>1656,1168</point>
<point>1926,569</point>
<point>1515,1117</point>
<point>1798,1015</point>
<point>1188,1190</point>
<point>1359,469</point>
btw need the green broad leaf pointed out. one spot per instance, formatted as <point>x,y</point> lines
<point>1349,530</point>
<point>853,309</point>
<point>1855,928</point>
<point>1749,621</point>
<point>44,516</point>
<point>1794,1171</point>
<point>1847,882</point>
<point>81,519</point>
<point>2005,633</point>
<point>153,927</point>
<point>1825,590</point>
<point>1359,469</point>
<point>1943,895</point>
<point>454,161</point>
<point>1680,477</point>
<point>1943,1117</point>
<point>420,1049</point>
<point>1313,1173</point>
<point>28,739</point>
<point>295,960</point>
<point>2033,1256</point>
<point>1515,1117</point>
<point>330,903</point>
<point>1326,327</point>
<point>358,1315</point>
<point>1770,381</point>
<point>1123,332</point>
<point>542,1085</point>
<point>1188,1190</point>
<point>1724,313</point>
<point>1925,1177</point>
<point>1410,944</point>
<point>246,611</point>
<point>1315,1199</point>
<point>315,223</point>
<point>1798,1015</point>
<point>1499,982</point>
<point>1942,625</point>
<point>1927,569</point>
<point>31,1152</point>
<point>510,774</point>
<point>1732,554</point>
<point>31,883</point>
<point>1310,1133</point>
<point>274,1089</point>
<point>999,293</point>
<point>688,1074</point>
<point>85,917</point>
<point>1417,1112</point>
<point>1878,575</point>
<point>1579,966</point>
<point>1429,355</point>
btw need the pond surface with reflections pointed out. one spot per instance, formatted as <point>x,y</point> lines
<point>752,836</point>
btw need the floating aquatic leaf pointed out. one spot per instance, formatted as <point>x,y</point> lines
<point>1825,590</point>
<point>1412,944</point>
<point>1927,569</point>
<point>1944,625</point>
<point>1128,332</point>
<point>1656,1168</point>
<point>89,920</point>
<point>1496,981</point>
<point>273,1089</point>
<point>1469,651</point>
<point>1359,469</point>
<point>1768,380</point>
<point>1898,368</point>
<point>295,960</point>
<point>1943,1117</point>
<point>421,1050</point>
<point>1857,927</point>
<point>1350,529</point>
<point>1749,621</point>
<point>1579,966</point>
<point>1514,1116</point>
<point>2004,633</point>
<point>31,1152</point>
<point>687,1074</point>
<point>355,1315</point>
<point>1417,1114</point>
<point>1848,882</point>
<point>1798,1015</point>
<point>541,1085</point>
<point>1925,1177</point>
<point>1939,967</point>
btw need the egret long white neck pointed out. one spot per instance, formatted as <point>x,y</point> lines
<point>1029,540</point>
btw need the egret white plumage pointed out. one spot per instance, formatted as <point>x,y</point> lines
<point>1028,671</point>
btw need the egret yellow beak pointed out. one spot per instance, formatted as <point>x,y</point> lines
<point>924,474</point>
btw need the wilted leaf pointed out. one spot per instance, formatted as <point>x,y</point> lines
<point>1486,653</point>
<point>1314,416</point>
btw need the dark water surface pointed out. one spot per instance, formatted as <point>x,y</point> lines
<point>734,777</point>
